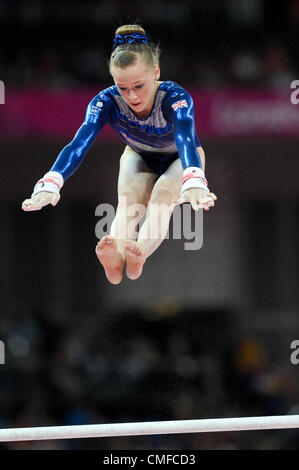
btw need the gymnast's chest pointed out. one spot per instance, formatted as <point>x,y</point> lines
<point>155,123</point>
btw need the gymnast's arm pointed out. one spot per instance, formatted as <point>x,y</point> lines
<point>47,189</point>
<point>189,148</point>
<point>194,186</point>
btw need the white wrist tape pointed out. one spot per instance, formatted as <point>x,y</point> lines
<point>194,177</point>
<point>51,182</point>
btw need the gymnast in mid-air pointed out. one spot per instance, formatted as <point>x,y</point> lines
<point>163,162</point>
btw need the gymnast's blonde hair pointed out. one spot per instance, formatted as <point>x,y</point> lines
<point>127,53</point>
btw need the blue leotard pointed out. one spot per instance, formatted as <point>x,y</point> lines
<point>166,134</point>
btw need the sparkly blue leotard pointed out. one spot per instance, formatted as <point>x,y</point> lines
<point>166,134</point>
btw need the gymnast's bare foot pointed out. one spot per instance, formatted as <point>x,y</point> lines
<point>111,259</point>
<point>135,259</point>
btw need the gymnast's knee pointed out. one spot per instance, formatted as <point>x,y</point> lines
<point>130,195</point>
<point>165,193</point>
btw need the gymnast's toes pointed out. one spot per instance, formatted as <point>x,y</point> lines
<point>110,258</point>
<point>134,260</point>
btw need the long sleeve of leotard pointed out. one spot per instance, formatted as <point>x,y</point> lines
<point>72,155</point>
<point>179,109</point>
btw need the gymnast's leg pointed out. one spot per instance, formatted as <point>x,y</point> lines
<point>135,183</point>
<point>162,202</point>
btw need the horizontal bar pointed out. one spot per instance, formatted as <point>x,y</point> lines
<point>150,428</point>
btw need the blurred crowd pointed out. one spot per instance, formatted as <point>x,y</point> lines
<point>207,43</point>
<point>157,364</point>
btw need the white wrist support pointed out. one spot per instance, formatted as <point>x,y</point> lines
<point>194,177</point>
<point>51,182</point>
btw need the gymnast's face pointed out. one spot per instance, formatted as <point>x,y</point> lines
<point>138,85</point>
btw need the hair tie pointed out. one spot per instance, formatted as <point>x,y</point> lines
<point>130,39</point>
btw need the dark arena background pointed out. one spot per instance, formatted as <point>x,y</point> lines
<point>206,333</point>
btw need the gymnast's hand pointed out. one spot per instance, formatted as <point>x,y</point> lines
<point>40,200</point>
<point>198,198</point>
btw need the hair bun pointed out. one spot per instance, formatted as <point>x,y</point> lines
<point>130,39</point>
<point>130,29</point>
<point>130,34</point>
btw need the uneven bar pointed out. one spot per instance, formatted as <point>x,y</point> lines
<point>150,428</point>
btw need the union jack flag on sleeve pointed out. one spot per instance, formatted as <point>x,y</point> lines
<point>179,104</point>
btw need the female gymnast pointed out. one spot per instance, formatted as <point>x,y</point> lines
<point>163,162</point>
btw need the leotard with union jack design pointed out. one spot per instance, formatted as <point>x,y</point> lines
<point>166,134</point>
